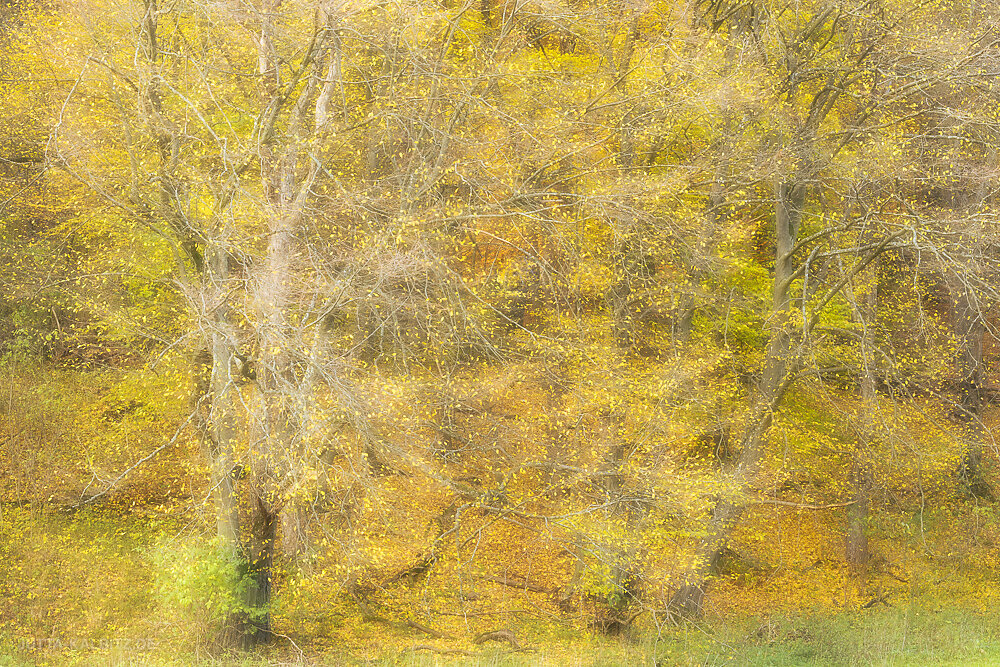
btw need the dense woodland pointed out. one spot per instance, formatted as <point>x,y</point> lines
<point>459,320</point>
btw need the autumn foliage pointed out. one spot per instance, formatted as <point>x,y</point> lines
<point>470,320</point>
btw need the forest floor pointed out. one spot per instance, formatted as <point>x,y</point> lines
<point>79,589</point>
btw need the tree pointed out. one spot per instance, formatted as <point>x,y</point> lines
<point>306,166</point>
<point>821,62</point>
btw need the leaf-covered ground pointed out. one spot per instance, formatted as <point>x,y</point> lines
<point>80,589</point>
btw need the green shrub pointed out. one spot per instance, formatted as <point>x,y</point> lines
<point>199,584</point>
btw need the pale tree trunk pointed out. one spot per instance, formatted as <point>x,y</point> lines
<point>270,436</point>
<point>279,448</point>
<point>224,472</point>
<point>245,524</point>
<point>857,551</point>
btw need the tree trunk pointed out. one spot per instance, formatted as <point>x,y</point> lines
<point>221,456</point>
<point>775,379</point>
<point>282,392</point>
<point>293,530</point>
<point>226,471</point>
<point>258,561</point>
<point>857,552</point>
<point>970,331</point>
<point>220,425</point>
<point>856,548</point>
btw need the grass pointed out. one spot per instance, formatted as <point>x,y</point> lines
<point>892,637</point>
<point>906,635</point>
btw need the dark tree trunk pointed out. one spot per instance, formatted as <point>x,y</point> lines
<point>856,549</point>
<point>970,331</point>
<point>259,561</point>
